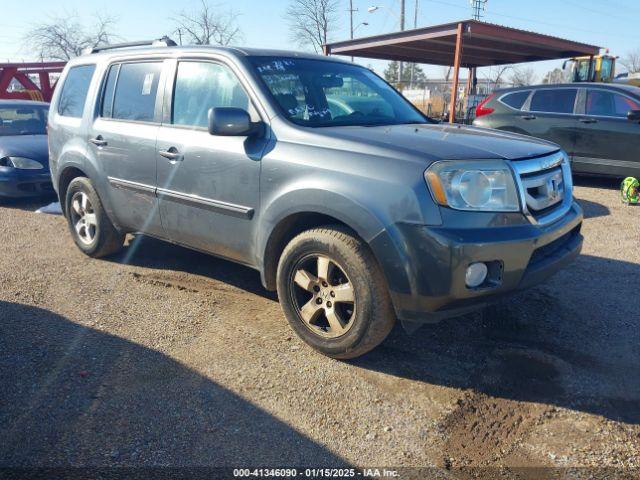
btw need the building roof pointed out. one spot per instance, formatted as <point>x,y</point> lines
<point>484,44</point>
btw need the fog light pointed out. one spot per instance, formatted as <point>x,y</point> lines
<point>476,274</point>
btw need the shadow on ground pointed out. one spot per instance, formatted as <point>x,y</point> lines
<point>572,343</point>
<point>149,252</point>
<point>593,209</point>
<point>594,181</point>
<point>27,204</point>
<point>74,395</point>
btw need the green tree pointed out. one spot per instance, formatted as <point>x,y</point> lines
<point>392,72</point>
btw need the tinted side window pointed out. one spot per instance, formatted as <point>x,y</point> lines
<point>74,91</point>
<point>109,89</point>
<point>136,90</point>
<point>201,86</point>
<point>516,99</point>
<point>609,104</point>
<point>554,101</point>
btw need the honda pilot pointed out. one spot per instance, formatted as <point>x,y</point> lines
<point>357,208</point>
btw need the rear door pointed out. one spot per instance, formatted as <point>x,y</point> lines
<point>124,138</point>
<point>208,185</point>
<point>606,142</point>
<point>549,114</point>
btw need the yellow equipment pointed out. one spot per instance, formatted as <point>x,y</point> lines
<point>599,68</point>
<point>628,79</point>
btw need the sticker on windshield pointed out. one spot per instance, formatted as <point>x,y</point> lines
<point>146,86</point>
<point>276,66</point>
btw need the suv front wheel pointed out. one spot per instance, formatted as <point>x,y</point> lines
<point>333,293</point>
<point>90,226</point>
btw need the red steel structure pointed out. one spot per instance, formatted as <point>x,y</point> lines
<point>20,73</point>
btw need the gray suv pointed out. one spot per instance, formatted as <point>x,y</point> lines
<point>350,203</point>
<point>597,124</point>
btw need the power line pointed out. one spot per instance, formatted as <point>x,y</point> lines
<point>539,22</point>
<point>599,12</point>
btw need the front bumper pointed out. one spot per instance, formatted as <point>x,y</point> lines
<point>520,256</point>
<point>21,183</point>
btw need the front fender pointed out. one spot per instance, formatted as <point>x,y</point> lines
<point>371,226</point>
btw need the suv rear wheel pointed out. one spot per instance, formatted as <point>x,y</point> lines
<point>90,227</point>
<point>333,293</point>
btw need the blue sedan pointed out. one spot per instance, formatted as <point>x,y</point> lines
<point>24,155</point>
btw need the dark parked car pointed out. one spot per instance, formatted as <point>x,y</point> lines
<point>597,124</point>
<point>24,156</point>
<point>357,208</point>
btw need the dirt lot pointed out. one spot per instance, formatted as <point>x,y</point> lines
<point>163,356</point>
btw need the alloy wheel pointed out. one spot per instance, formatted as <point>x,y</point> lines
<point>323,295</point>
<point>83,218</point>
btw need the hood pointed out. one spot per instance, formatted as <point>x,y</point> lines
<point>29,146</point>
<point>446,142</point>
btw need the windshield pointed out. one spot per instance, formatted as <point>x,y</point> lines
<point>317,93</point>
<point>23,120</point>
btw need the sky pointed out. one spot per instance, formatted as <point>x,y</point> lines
<point>611,24</point>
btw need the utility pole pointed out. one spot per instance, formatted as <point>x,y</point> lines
<point>351,10</point>
<point>478,7</point>
<point>179,32</point>
<point>415,25</point>
<point>401,67</point>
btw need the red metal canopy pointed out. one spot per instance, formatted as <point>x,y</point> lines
<point>468,43</point>
<point>484,44</point>
<point>21,72</point>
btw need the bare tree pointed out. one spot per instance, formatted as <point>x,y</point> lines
<point>632,61</point>
<point>494,75</point>
<point>311,22</point>
<point>521,77</point>
<point>65,37</point>
<point>554,76</point>
<point>209,26</point>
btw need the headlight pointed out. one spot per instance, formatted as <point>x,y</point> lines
<point>482,185</point>
<point>21,163</point>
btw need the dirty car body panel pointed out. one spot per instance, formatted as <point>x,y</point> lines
<point>234,196</point>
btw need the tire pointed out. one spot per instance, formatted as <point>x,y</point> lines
<point>333,293</point>
<point>90,227</point>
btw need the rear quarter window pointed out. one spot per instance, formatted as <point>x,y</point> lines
<point>516,99</point>
<point>74,91</point>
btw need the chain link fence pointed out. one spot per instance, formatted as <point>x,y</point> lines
<point>433,97</point>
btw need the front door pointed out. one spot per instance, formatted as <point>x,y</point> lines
<point>208,186</point>
<point>607,143</point>
<point>550,115</point>
<point>124,137</point>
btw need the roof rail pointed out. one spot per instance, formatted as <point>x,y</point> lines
<point>160,42</point>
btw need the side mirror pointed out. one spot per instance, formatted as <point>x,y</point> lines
<point>229,122</point>
<point>633,116</point>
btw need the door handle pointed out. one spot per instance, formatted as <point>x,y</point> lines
<point>528,117</point>
<point>171,154</point>
<point>99,141</point>
<point>588,120</point>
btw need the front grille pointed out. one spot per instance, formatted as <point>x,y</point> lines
<point>543,190</point>
<point>550,249</point>
<point>545,186</point>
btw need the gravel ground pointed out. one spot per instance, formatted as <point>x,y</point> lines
<point>163,356</point>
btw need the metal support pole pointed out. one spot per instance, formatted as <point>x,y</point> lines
<point>415,25</point>
<point>351,21</point>
<point>456,74</point>
<point>401,66</point>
